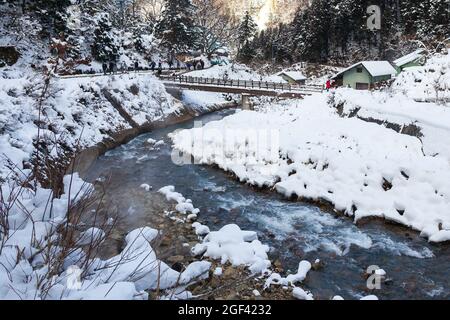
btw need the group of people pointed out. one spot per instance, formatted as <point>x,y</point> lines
<point>197,65</point>
<point>111,67</point>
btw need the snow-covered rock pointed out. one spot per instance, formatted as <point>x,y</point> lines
<point>231,244</point>
<point>184,205</point>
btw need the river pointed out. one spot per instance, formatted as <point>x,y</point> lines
<point>294,230</point>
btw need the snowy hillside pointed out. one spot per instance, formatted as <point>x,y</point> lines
<point>428,83</point>
<point>233,71</point>
<point>75,113</point>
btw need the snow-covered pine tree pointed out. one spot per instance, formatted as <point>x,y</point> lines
<point>176,27</point>
<point>247,31</point>
<point>51,14</point>
<point>105,45</point>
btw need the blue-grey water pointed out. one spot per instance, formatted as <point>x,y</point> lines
<point>294,230</point>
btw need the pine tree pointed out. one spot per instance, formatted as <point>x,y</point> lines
<point>247,32</point>
<point>105,47</point>
<point>247,29</point>
<point>176,27</point>
<point>51,14</point>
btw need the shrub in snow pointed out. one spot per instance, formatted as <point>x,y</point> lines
<point>41,257</point>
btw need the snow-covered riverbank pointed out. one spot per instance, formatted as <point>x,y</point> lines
<point>75,113</point>
<point>363,169</point>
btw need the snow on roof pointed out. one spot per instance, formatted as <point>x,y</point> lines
<point>294,75</point>
<point>375,68</point>
<point>409,58</point>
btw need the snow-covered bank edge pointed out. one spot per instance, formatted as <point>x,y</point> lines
<point>359,169</point>
<point>86,157</point>
<point>230,248</point>
<point>27,272</point>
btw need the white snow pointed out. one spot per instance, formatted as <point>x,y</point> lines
<point>146,187</point>
<point>428,83</point>
<point>124,276</point>
<point>294,75</point>
<point>409,58</point>
<point>200,229</point>
<point>218,271</point>
<point>375,68</point>
<point>200,99</point>
<point>290,280</point>
<point>231,244</point>
<point>369,298</point>
<point>301,294</point>
<point>91,235</point>
<point>433,119</point>
<point>76,112</point>
<point>315,154</point>
<point>183,205</point>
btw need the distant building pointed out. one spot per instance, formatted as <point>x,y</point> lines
<point>293,77</point>
<point>414,59</point>
<point>365,75</point>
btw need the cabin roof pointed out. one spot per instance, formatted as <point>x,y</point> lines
<point>294,75</point>
<point>409,58</point>
<point>375,68</point>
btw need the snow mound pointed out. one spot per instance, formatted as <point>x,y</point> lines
<point>231,244</point>
<point>276,279</point>
<point>184,205</point>
<point>427,83</point>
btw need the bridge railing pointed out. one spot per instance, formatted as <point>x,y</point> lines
<point>248,84</point>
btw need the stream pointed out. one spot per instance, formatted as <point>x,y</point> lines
<point>295,231</point>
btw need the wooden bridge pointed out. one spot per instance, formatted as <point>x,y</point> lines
<point>244,87</point>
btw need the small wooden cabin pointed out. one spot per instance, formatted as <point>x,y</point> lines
<point>365,75</point>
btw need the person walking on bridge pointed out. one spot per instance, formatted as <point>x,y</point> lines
<point>136,66</point>
<point>111,67</point>
<point>105,68</point>
<point>159,68</point>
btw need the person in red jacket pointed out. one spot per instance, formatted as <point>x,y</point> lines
<point>328,85</point>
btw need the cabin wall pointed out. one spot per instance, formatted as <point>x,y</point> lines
<point>351,78</point>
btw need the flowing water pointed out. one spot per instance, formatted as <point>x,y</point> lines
<point>294,230</point>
